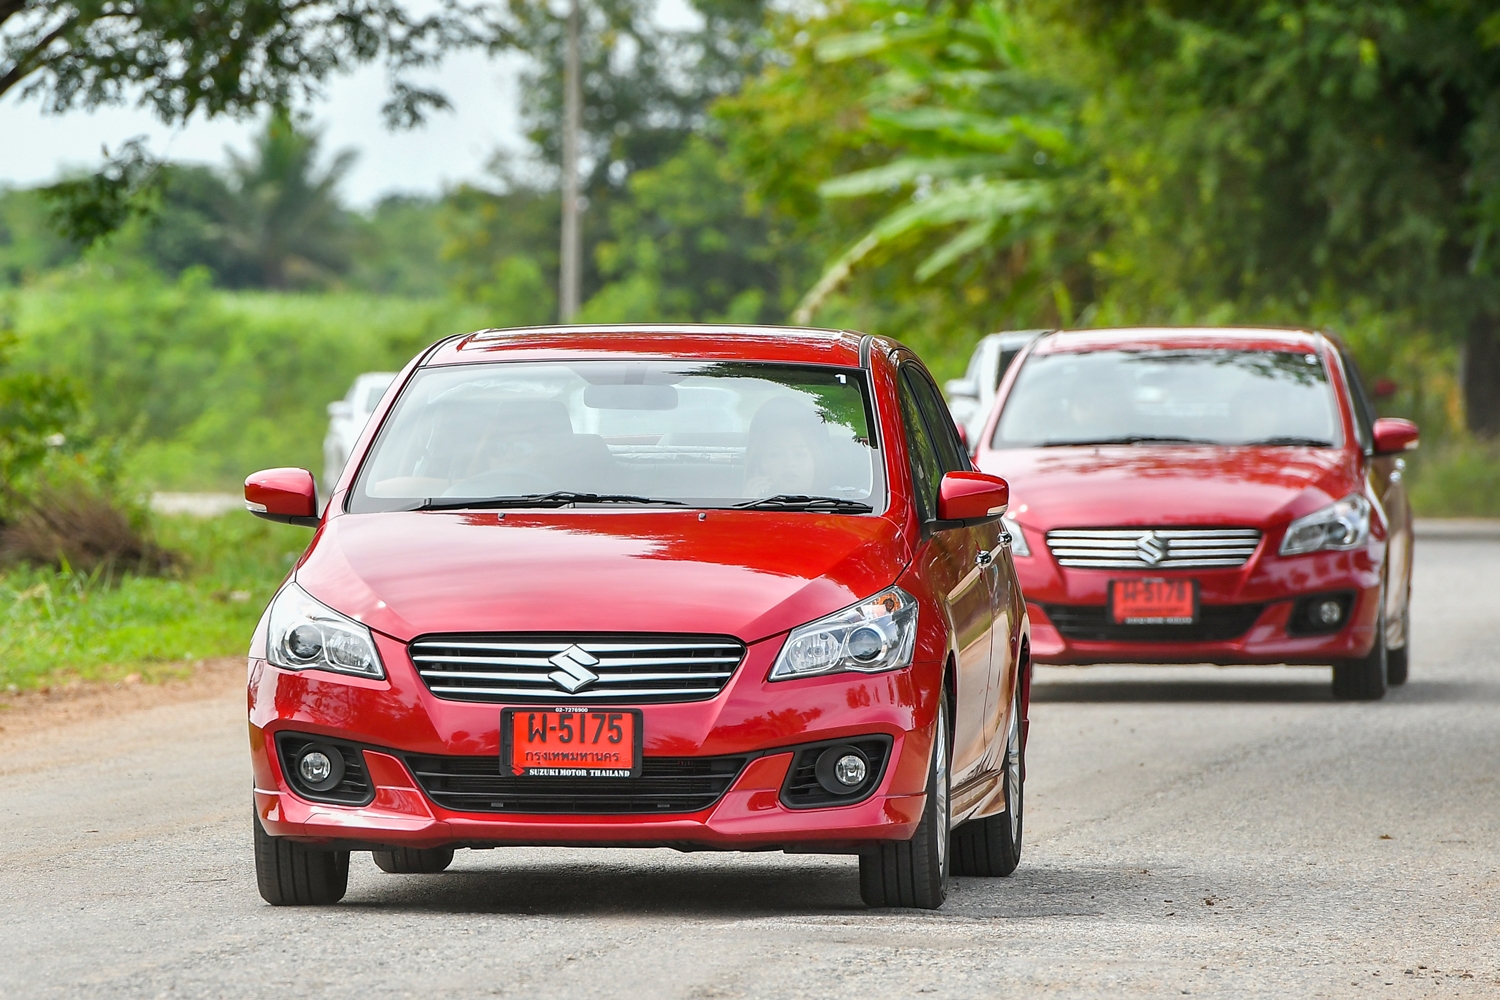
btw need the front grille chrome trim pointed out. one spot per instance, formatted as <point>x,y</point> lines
<point>1182,548</point>
<point>645,669</point>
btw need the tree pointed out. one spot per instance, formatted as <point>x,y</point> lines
<point>232,58</point>
<point>1278,159</point>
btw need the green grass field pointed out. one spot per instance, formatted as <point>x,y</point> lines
<point>58,626</point>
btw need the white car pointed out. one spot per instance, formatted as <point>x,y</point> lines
<point>970,398</point>
<point>346,418</point>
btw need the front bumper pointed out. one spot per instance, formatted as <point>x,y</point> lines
<point>1265,591</point>
<point>392,718</point>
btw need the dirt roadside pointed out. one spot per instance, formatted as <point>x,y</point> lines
<point>30,712</point>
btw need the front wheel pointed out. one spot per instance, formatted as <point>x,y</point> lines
<point>1363,679</point>
<point>915,872</point>
<point>292,874</point>
<point>991,845</point>
<point>1396,660</point>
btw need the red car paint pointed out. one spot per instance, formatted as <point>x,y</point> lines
<point>1157,486</point>
<point>749,574</point>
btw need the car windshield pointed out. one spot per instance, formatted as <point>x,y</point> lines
<point>718,434</point>
<point>1222,397</point>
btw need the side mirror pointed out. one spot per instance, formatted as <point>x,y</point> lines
<point>1393,435</point>
<point>969,498</point>
<point>340,408</point>
<point>285,495</point>
<point>964,387</point>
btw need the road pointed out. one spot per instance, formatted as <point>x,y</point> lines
<point>1189,831</point>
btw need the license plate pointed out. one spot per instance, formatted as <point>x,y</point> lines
<point>571,742</point>
<point>1153,602</point>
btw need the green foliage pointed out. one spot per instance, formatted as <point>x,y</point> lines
<point>1461,479</point>
<point>212,385</point>
<point>65,622</point>
<point>684,247</point>
<point>397,249</point>
<point>37,411</point>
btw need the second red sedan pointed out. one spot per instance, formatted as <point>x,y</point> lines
<point>1206,496</point>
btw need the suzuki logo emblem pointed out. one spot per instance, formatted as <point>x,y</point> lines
<point>573,673</point>
<point>1150,549</point>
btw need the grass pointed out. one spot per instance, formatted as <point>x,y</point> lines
<point>1460,479</point>
<point>57,626</point>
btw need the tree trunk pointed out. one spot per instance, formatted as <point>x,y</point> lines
<point>1481,376</point>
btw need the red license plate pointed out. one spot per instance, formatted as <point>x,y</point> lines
<point>1153,602</point>
<point>571,742</point>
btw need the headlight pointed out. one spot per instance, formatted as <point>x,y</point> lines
<point>1018,546</point>
<point>876,634</point>
<point>1343,525</point>
<point>303,634</point>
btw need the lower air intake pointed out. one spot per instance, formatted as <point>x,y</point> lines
<point>665,785</point>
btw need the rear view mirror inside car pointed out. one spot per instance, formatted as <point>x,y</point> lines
<point>630,397</point>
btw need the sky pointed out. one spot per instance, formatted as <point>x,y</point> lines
<point>453,146</point>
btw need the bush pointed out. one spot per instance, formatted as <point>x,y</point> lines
<point>81,529</point>
<point>1458,480</point>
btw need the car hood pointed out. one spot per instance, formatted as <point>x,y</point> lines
<point>749,574</point>
<point>1143,486</point>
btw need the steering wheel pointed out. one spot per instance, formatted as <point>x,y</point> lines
<point>502,482</point>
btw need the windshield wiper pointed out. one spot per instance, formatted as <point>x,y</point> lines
<point>559,498</point>
<point>1293,441</point>
<point>1130,439</point>
<point>796,501</point>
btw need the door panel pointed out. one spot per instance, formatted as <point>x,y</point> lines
<point>957,577</point>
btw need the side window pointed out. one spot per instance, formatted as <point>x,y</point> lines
<point>926,474</point>
<point>1364,410</point>
<point>951,454</point>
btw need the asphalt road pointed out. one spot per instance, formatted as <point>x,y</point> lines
<point>1189,831</point>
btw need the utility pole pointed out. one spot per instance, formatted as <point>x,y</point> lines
<point>568,276</point>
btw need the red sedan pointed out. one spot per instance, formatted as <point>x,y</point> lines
<point>702,588</point>
<point>1206,496</point>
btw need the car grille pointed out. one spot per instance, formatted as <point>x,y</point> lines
<point>641,669</point>
<point>1152,548</point>
<point>665,785</point>
<point>1092,623</point>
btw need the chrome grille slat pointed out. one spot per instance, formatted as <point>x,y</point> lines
<point>1182,548</point>
<point>517,669</point>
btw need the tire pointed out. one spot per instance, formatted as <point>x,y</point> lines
<point>915,872</point>
<point>414,860</point>
<point>292,874</point>
<point>991,845</point>
<point>1396,662</point>
<point>1363,679</point>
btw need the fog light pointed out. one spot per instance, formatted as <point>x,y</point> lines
<point>842,770</point>
<point>321,767</point>
<point>1329,612</point>
<point>850,770</point>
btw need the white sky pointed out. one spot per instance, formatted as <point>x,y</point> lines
<point>453,146</point>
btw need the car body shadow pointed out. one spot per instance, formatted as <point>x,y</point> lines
<point>664,885</point>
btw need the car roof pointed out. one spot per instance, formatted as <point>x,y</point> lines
<point>655,340</point>
<point>1185,337</point>
<point>1010,340</point>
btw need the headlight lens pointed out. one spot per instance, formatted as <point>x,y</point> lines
<point>1343,525</point>
<point>304,634</point>
<point>876,634</point>
<point>1018,546</point>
